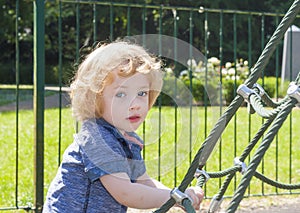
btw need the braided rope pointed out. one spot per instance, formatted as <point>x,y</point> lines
<point>210,142</point>
<point>279,120</point>
<point>260,109</point>
<point>276,183</point>
<point>246,152</point>
<point>269,102</point>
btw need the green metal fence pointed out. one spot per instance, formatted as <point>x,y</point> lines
<point>225,34</point>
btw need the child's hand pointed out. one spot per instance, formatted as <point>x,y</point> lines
<point>196,194</point>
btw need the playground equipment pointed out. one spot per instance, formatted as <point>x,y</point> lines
<point>256,99</point>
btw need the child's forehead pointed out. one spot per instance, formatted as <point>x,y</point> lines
<point>135,80</point>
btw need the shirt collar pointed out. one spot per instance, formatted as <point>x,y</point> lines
<point>117,133</point>
<point>111,128</point>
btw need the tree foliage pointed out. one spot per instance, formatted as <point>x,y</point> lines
<point>78,32</point>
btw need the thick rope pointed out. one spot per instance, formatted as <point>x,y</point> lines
<point>246,153</point>
<point>279,120</point>
<point>210,142</point>
<point>259,108</point>
<point>270,103</point>
<point>202,179</point>
<point>205,150</point>
<point>276,183</point>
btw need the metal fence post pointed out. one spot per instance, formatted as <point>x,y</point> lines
<point>38,102</point>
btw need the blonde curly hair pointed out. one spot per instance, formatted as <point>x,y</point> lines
<point>94,74</point>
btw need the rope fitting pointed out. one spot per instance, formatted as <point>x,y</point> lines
<point>215,204</point>
<point>179,196</point>
<point>245,92</point>
<point>261,91</point>
<point>294,91</point>
<point>238,162</point>
<point>199,172</point>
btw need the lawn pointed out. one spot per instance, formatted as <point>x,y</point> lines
<point>177,145</point>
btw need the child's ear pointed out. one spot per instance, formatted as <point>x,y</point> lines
<point>99,105</point>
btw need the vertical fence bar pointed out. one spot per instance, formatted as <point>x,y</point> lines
<point>206,70</point>
<point>277,62</point>
<point>235,87</point>
<point>263,39</point>
<point>77,32</point>
<point>191,85</point>
<point>144,43</point>
<point>95,26</point>
<point>17,100</point>
<point>249,21</point>
<point>111,22</point>
<point>159,98</point>
<point>206,76</point>
<point>220,83</point>
<point>290,115</point>
<point>175,95</point>
<point>144,24</point>
<point>39,84</point>
<point>59,78</point>
<point>263,79</point>
<point>128,20</point>
<point>77,43</point>
<point>276,139</point>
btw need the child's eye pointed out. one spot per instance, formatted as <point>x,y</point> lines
<point>143,93</point>
<point>120,94</point>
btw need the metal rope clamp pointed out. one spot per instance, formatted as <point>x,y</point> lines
<point>200,172</point>
<point>179,196</point>
<point>238,162</point>
<point>245,92</point>
<point>261,90</point>
<point>215,204</point>
<point>294,91</point>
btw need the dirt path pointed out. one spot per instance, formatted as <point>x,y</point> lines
<point>50,102</point>
<point>272,204</point>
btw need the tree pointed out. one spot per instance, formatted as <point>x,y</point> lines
<point>113,22</point>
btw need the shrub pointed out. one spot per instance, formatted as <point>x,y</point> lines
<point>205,83</point>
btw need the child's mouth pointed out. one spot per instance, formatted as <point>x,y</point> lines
<point>134,118</point>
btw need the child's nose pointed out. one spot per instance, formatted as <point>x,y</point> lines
<point>134,105</point>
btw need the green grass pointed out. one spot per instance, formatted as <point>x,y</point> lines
<point>170,152</point>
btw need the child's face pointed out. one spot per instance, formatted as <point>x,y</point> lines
<point>126,101</point>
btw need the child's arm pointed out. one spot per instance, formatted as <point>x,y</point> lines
<point>146,193</point>
<point>195,193</point>
<point>134,195</point>
<point>145,179</point>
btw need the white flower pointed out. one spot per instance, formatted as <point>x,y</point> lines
<point>227,65</point>
<point>224,71</point>
<point>210,66</point>
<point>198,69</point>
<point>192,63</point>
<point>184,73</point>
<point>245,63</point>
<point>200,64</point>
<point>168,70</point>
<point>231,71</point>
<point>215,61</point>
